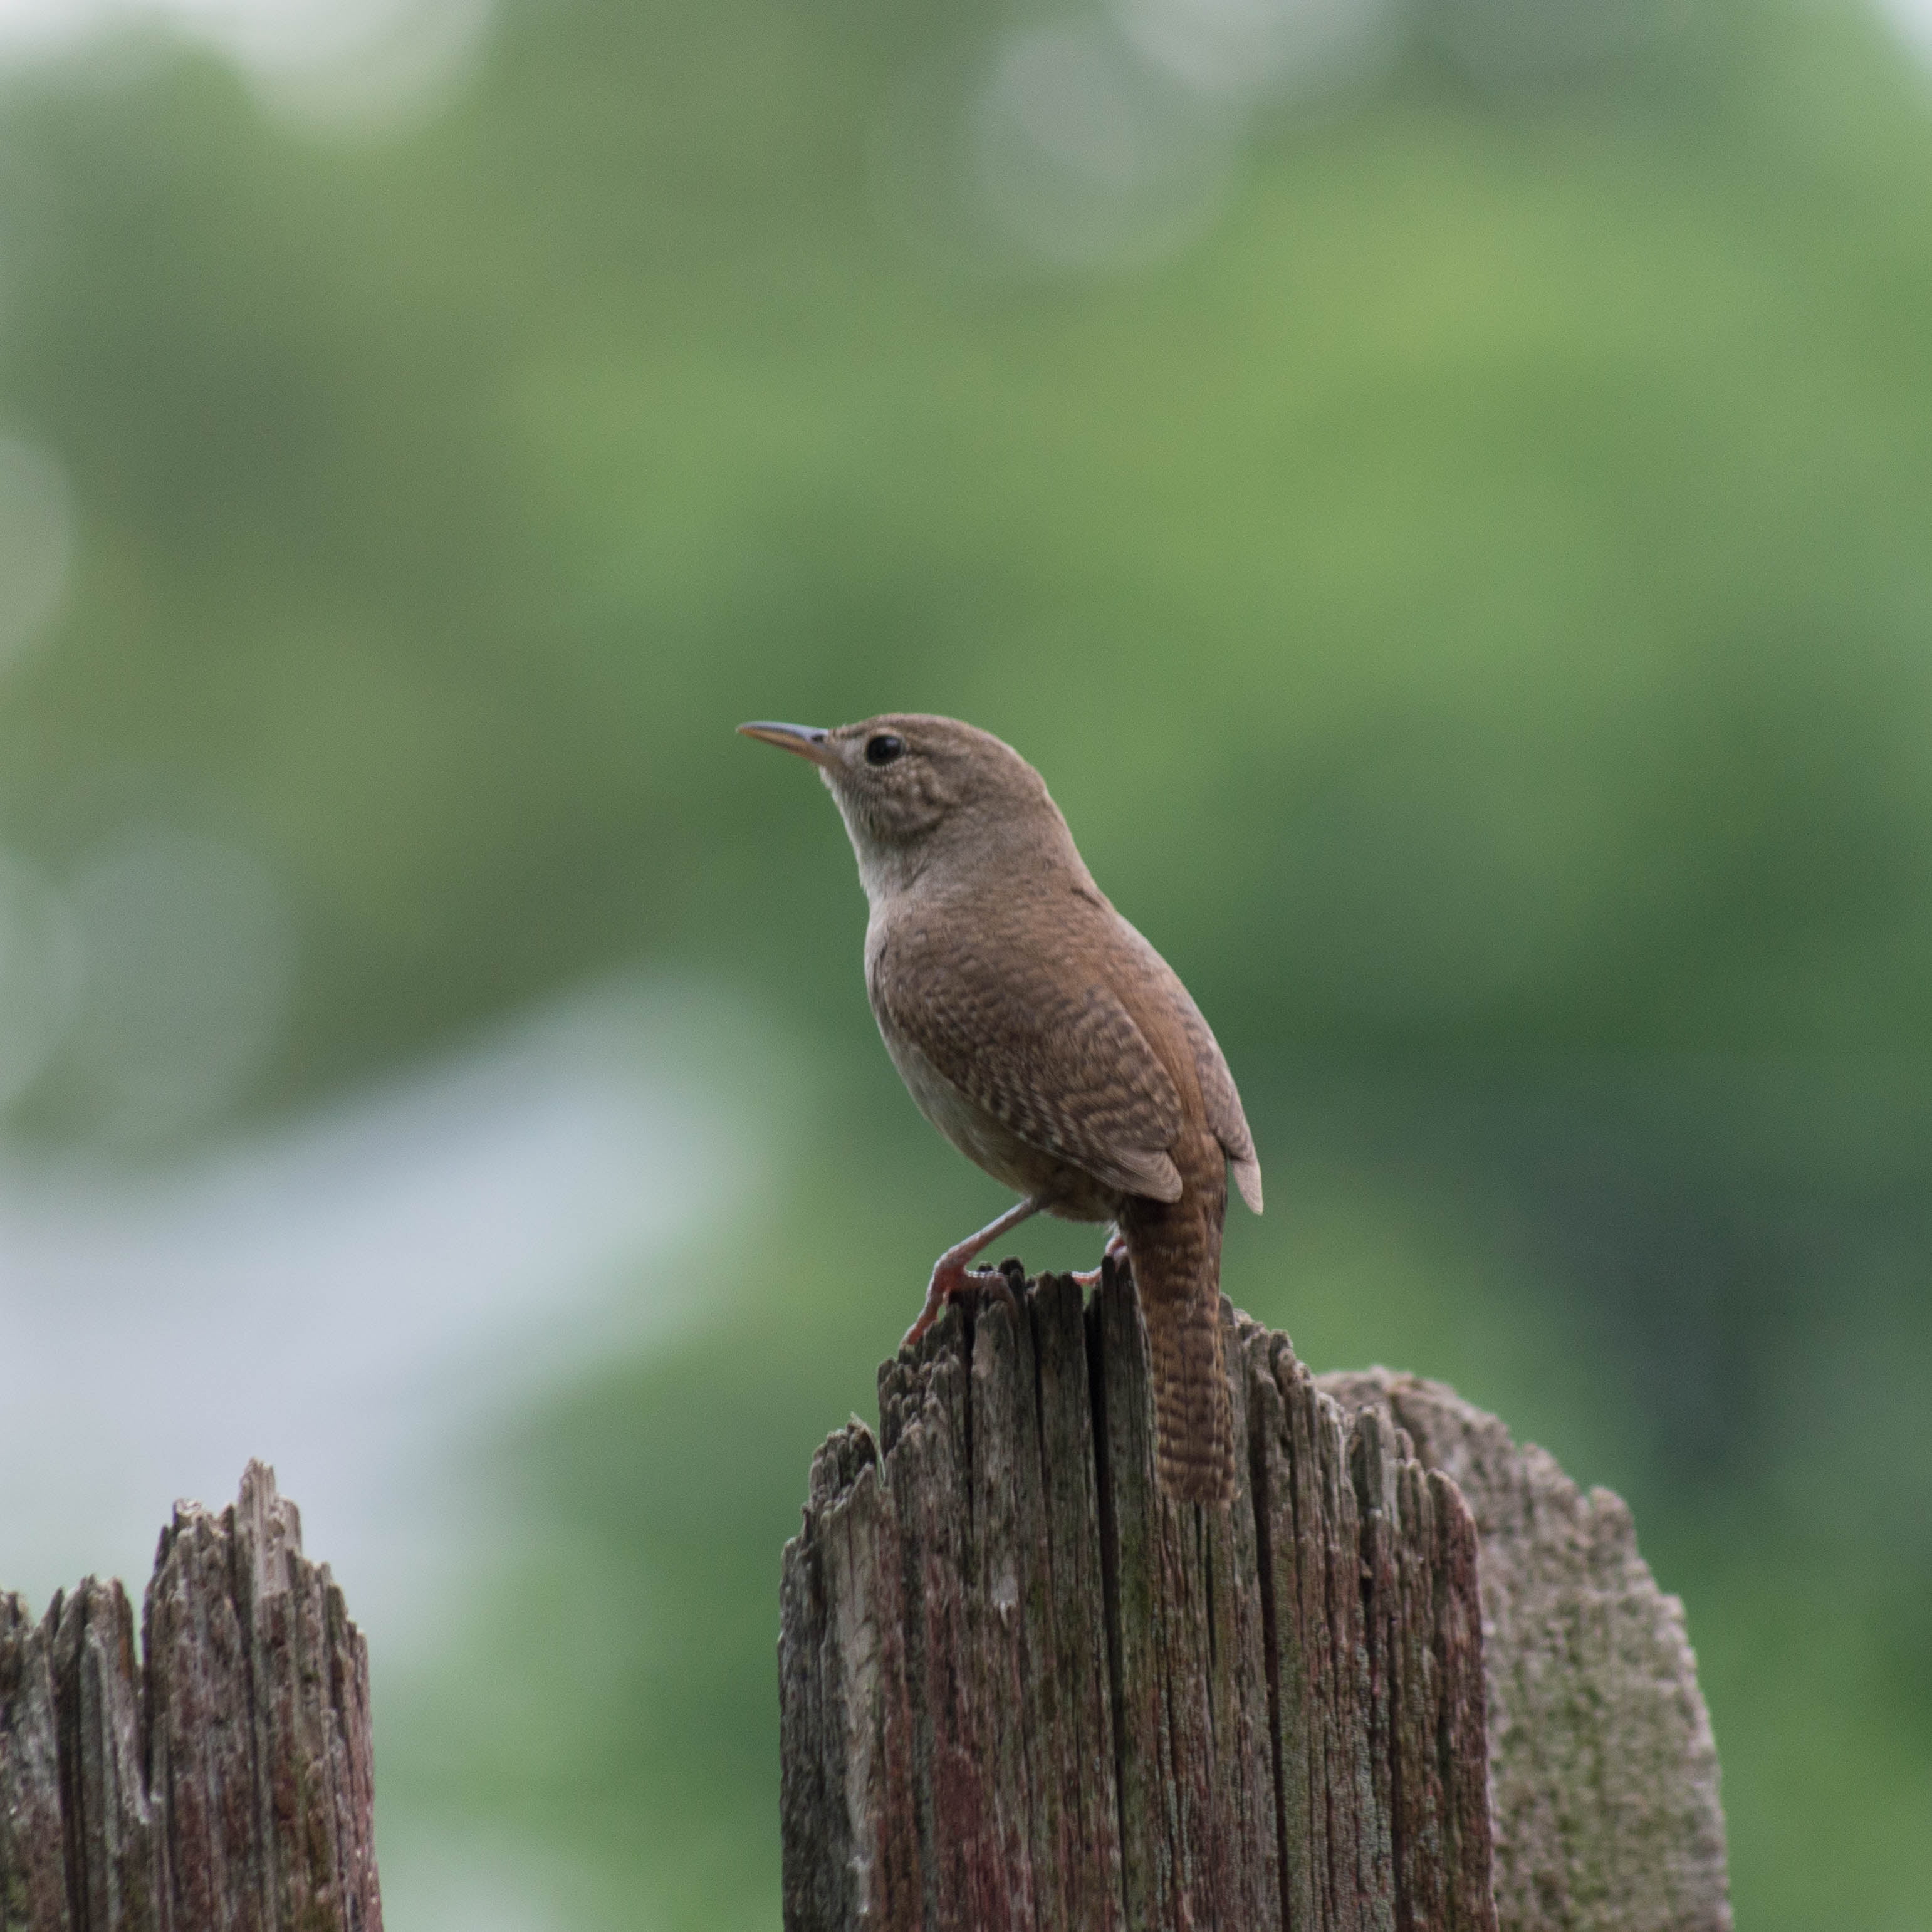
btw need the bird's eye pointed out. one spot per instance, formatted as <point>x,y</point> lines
<point>883,749</point>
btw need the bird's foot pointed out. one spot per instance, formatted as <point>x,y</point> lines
<point>950,1281</point>
<point>952,1277</point>
<point>1116,1252</point>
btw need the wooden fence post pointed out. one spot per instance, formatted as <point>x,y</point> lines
<point>1018,1688</point>
<point>1603,1771</point>
<point>1413,1679</point>
<point>222,1780</point>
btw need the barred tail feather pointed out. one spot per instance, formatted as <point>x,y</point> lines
<point>1175,1250</point>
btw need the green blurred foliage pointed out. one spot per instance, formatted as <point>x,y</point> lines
<point>1472,604</point>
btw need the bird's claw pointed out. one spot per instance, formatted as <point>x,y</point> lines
<point>949,1284</point>
<point>1116,1252</point>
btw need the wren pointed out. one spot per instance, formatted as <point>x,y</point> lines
<point>1047,1040</point>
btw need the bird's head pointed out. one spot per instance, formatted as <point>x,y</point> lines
<point>915,790</point>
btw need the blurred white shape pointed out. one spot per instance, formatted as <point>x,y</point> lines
<point>1254,50</point>
<point>36,542</point>
<point>1085,156</point>
<point>351,1298</point>
<point>1911,21</point>
<point>453,1883</point>
<point>346,63</point>
<point>29,25</point>
<point>353,64</point>
<point>186,958</point>
<point>39,963</point>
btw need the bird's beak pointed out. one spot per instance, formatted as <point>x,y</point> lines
<point>807,740</point>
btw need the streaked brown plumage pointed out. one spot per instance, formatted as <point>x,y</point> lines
<point>1047,1039</point>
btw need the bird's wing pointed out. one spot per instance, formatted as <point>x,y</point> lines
<point>1044,1046</point>
<point>1219,1094</point>
<point>1230,1124</point>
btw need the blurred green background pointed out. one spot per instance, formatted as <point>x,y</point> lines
<point>1443,489</point>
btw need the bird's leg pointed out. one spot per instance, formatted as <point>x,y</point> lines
<point>1116,1252</point>
<point>949,1272</point>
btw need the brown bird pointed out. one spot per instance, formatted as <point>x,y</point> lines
<point>1046,1039</point>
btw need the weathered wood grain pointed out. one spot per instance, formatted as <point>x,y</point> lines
<point>1602,1772</point>
<point>223,1781</point>
<point>1020,1688</point>
<point>33,1852</point>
